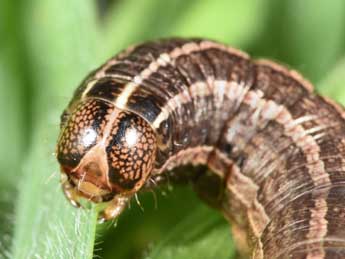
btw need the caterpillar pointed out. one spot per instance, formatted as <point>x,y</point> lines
<point>275,150</point>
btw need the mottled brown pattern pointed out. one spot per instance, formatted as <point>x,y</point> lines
<point>88,118</point>
<point>106,88</point>
<point>131,152</point>
<point>277,150</point>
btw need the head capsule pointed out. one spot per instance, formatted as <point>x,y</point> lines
<point>104,152</point>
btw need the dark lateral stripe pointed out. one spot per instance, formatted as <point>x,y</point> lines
<point>287,78</point>
<point>106,88</point>
<point>335,213</point>
<point>278,84</point>
<point>143,105</point>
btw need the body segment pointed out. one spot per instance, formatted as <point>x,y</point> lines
<point>276,149</point>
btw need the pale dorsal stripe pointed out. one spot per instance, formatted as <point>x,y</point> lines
<point>233,91</point>
<point>88,87</point>
<point>168,58</point>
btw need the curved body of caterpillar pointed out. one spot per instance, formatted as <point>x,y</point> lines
<point>276,150</point>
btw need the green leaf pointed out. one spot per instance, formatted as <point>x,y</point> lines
<point>127,23</point>
<point>14,113</point>
<point>62,42</point>
<point>313,32</point>
<point>202,234</point>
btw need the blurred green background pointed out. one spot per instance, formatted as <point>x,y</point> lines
<point>48,46</point>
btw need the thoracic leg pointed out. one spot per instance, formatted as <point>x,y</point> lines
<point>114,208</point>
<point>70,191</point>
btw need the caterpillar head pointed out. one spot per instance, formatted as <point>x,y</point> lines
<point>104,152</point>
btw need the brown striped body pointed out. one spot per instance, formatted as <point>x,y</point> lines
<point>276,148</point>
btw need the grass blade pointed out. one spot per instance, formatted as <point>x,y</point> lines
<point>15,115</point>
<point>62,42</point>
